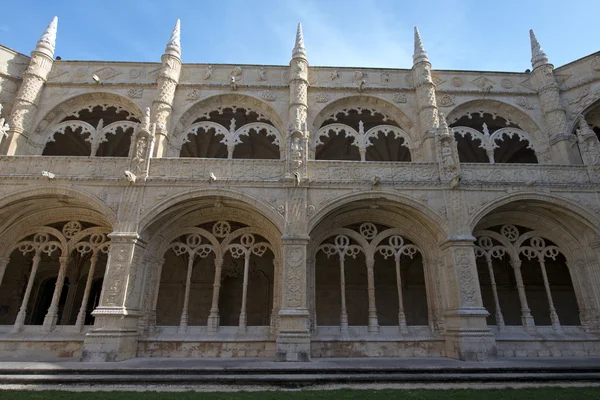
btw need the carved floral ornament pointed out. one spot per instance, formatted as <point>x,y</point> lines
<point>369,241</point>
<point>72,237</point>
<point>362,139</point>
<point>219,240</point>
<point>488,141</point>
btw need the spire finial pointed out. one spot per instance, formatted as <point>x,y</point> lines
<point>47,41</point>
<point>538,57</point>
<point>299,50</point>
<point>174,44</point>
<point>420,54</point>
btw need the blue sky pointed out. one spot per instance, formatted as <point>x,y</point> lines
<point>465,34</point>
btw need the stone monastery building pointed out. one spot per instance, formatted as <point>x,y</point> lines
<point>295,212</point>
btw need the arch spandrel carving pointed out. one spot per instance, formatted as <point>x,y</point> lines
<point>258,207</point>
<point>583,215</point>
<point>94,204</point>
<point>423,213</point>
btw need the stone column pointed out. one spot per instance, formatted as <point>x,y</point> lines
<point>86,293</point>
<point>213,317</point>
<point>553,315</point>
<point>52,314</point>
<point>426,98</point>
<point>373,320</point>
<point>555,116</point>
<point>466,332</point>
<point>25,106</point>
<point>167,81</point>
<point>153,296</point>
<point>293,337</point>
<point>114,336</point>
<point>526,318</point>
<point>343,310</point>
<point>499,317</point>
<point>243,322</point>
<point>183,322</point>
<point>71,293</point>
<point>20,320</point>
<point>276,293</point>
<point>401,314</point>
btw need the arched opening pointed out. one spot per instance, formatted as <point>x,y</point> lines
<point>216,268</point>
<point>231,132</point>
<point>530,256</point>
<point>218,271</point>
<point>101,130</point>
<point>485,137</point>
<point>394,278</point>
<point>541,281</point>
<point>356,134</point>
<point>51,242</point>
<point>373,287</point>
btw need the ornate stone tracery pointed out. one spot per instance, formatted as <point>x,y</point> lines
<point>489,141</point>
<point>72,239</point>
<point>221,240</point>
<point>519,245</point>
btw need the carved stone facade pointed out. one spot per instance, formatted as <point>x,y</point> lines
<point>296,212</point>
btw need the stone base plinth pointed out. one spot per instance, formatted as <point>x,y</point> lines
<point>113,338</point>
<point>467,335</point>
<point>293,337</point>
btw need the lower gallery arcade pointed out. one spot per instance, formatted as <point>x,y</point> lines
<point>381,280</point>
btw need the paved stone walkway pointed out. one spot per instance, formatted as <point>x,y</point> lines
<point>366,364</point>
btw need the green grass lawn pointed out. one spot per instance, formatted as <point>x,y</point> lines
<point>491,394</point>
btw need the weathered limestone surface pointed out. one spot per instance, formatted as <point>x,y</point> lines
<point>296,212</point>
